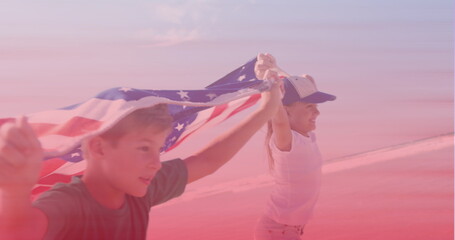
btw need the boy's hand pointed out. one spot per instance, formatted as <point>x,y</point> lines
<point>21,157</point>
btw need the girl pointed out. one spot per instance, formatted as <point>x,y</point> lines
<point>294,158</point>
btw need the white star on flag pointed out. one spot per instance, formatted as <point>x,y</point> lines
<point>179,127</point>
<point>125,89</point>
<point>75,154</point>
<point>183,95</point>
<point>211,95</point>
<point>241,78</point>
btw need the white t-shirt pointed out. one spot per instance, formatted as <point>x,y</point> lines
<point>297,176</point>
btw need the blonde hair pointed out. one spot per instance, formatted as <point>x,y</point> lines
<point>157,116</point>
<point>268,138</point>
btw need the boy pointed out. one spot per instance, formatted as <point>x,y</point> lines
<point>124,177</point>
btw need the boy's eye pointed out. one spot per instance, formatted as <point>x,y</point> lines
<point>144,148</point>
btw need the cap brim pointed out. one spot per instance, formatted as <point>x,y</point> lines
<point>318,97</point>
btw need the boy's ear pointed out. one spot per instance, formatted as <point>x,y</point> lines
<point>96,147</point>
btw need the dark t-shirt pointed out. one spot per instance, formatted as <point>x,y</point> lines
<point>74,214</point>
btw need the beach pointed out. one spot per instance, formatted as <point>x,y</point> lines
<point>409,196</point>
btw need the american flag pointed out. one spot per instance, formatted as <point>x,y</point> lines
<point>61,131</point>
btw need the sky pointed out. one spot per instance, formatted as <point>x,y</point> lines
<point>390,63</point>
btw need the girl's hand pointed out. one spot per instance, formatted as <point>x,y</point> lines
<point>272,98</point>
<point>264,62</point>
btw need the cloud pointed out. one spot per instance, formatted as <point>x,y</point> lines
<point>168,13</point>
<point>168,38</point>
<point>175,23</point>
<point>187,12</point>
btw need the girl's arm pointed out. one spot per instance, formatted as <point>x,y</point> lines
<point>280,122</point>
<point>223,148</point>
<point>282,136</point>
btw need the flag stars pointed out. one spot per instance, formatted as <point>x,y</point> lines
<point>183,95</point>
<point>75,154</point>
<point>211,96</point>
<point>241,78</point>
<point>125,89</point>
<point>179,127</point>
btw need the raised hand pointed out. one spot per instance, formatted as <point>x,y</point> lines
<point>21,157</point>
<point>264,62</point>
<point>271,100</point>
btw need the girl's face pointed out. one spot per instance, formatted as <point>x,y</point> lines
<point>302,117</point>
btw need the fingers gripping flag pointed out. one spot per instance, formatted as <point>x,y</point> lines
<point>61,131</point>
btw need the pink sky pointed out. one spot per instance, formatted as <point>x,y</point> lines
<point>391,66</point>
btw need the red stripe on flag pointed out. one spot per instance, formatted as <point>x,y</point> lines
<point>217,111</point>
<point>51,165</point>
<point>50,180</point>
<point>55,178</point>
<point>74,127</point>
<point>181,140</point>
<point>220,109</point>
<point>5,120</point>
<point>39,190</point>
<point>250,102</point>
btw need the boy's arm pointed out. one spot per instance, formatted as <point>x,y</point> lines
<point>19,220</point>
<point>20,162</point>
<point>223,148</point>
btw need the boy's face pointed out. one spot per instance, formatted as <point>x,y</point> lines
<point>132,163</point>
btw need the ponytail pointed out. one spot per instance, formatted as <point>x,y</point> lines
<point>268,138</point>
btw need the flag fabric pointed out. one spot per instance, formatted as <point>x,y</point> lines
<point>61,131</point>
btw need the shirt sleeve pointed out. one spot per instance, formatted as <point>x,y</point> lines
<point>169,182</point>
<point>59,207</point>
<point>278,153</point>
